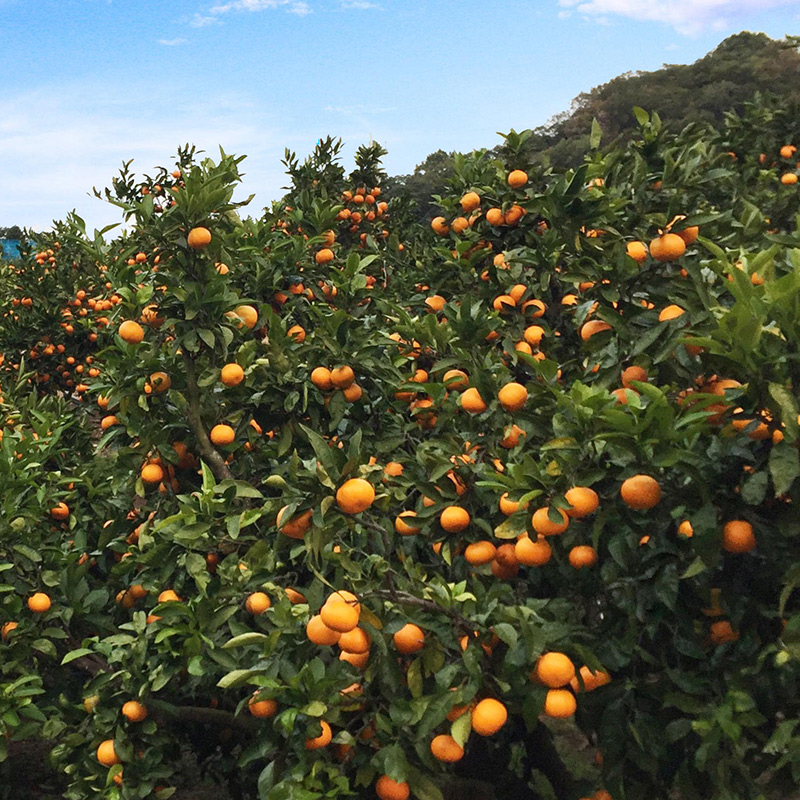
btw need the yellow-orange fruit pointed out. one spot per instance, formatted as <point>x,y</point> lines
<point>738,536</point>
<point>106,754</point>
<point>222,435</point>
<point>409,639</point>
<point>340,617</point>
<point>296,527</point>
<point>512,396</point>
<point>321,378</point>
<point>532,553</point>
<point>555,670</point>
<point>355,495</point>
<point>319,633</point>
<point>454,519</point>
<point>131,332</point>
<point>641,492</point>
<point>668,247</point>
<point>582,555</point>
<point>199,238</point>
<point>263,709</point>
<point>387,789</point>
<point>545,526</point>
<point>637,251</point>
<point>446,749</point>
<point>472,402</point>
<point>488,716</point>
<point>134,711</point>
<point>324,739</point>
<point>231,375</point>
<point>405,527</point>
<point>560,703</point>
<point>258,603</point>
<point>517,179</point>
<point>39,602</point>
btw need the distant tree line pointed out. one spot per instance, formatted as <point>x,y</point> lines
<point>12,232</point>
<point>742,66</point>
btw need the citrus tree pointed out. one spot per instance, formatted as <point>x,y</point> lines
<point>352,507</point>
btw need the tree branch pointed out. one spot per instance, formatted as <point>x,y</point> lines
<point>208,452</point>
<point>205,716</point>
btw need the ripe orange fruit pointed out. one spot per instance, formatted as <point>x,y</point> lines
<point>592,327</point>
<point>246,315</point>
<point>555,670</point>
<point>294,596</point>
<point>231,375</point>
<point>356,641</point>
<point>440,226</point>
<point>131,332</point>
<point>355,495</point>
<point>591,680</point>
<point>583,501</point>
<point>488,716</point>
<point>435,302</point>
<point>339,616</point>
<point>545,526</point>
<point>479,553</point>
<point>168,596</point>
<point>263,709</point>
<point>296,527</point>
<point>582,555</point>
<point>788,150</point>
<point>641,492</point>
<point>323,739</point>
<point>199,238</point>
<point>342,377</point>
<point>532,553</point>
<point>517,178</point>
<point>222,435</point>
<point>670,312</point>
<point>454,519</point>
<point>472,402</point>
<point>409,639</point>
<point>59,511</point>
<point>321,378</point>
<point>560,703</point>
<point>637,251</point>
<point>152,473</point>
<point>690,234</point>
<point>387,789</point>
<point>686,529</point>
<point>106,754</point>
<point>722,632</point>
<point>324,256</point>
<point>470,201</point>
<point>6,629</point>
<point>494,216</point>
<point>512,396</point>
<point>257,603</point>
<point>405,528</point>
<point>668,247</point>
<point>160,382</point>
<point>319,633</point>
<point>455,379</point>
<point>134,711</point>
<point>445,748</point>
<point>631,374</point>
<point>738,536</point>
<point>39,602</point>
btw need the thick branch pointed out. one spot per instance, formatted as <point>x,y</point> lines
<point>403,598</point>
<point>204,716</point>
<point>208,452</point>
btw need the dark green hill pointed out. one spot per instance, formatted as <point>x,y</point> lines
<point>740,67</point>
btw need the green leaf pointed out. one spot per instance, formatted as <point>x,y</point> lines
<point>461,728</point>
<point>789,410</point>
<point>245,639</point>
<point>784,466</point>
<point>596,134</point>
<point>75,654</point>
<point>236,678</point>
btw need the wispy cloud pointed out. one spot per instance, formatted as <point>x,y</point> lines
<point>686,17</point>
<point>359,109</point>
<point>292,6</point>
<point>360,5</point>
<point>172,42</point>
<point>203,21</point>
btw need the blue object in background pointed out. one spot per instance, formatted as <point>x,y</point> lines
<point>10,248</point>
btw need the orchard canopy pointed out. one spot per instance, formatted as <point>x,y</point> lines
<point>330,503</point>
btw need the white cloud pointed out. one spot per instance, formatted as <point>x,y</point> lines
<point>203,21</point>
<point>359,109</point>
<point>300,8</point>
<point>358,4</point>
<point>686,17</point>
<point>172,42</point>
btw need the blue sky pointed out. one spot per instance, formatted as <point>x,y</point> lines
<point>86,84</point>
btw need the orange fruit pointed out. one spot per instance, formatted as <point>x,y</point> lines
<point>517,179</point>
<point>543,525</point>
<point>321,378</point>
<point>631,374</point>
<point>131,332</point>
<point>152,473</point>
<point>355,495</point>
<point>263,709</point>
<point>294,596</point>
<point>690,234</point>
<point>670,312</point>
<point>134,711</point>
<point>355,641</point>
<point>406,528</point>
<point>387,789</point>
<point>583,501</point>
<point>637,251</point>
<point>532,553</point>
<point>160,382</point>
<point>439,225</point>
<point>512,396</point>
<point>257,603</point>
<point>582,555</point>
<point>641,492</point>
<point>488,716</point>
<point>591,680</point>
<point>231,375</point>
<point>454,519</point>
<point>494,216</point>
<point>555,670</point>
<point>106,754</point>
<point>199,238</point>
<point>592,327</point>
<point>296,527</point>
<point>445,748</point>
<point>738,536</point>
<point>324,256</point>
<point>455,379</point>
<point>686,529</point>
<point>342,377</point>
<point>59,511</point>
<point>470,201</point>
<point>668,247</point>
<point>222,435</point>
<point>340,617</point>
<point>435,302</point>
<point>323,739</point>
<point>6,629</point>
<point>168,596</point>
<point>533,335</point>
<point>479,553</point>
<point>560,703</point>
<point>789,178</point>
<point>39,602</point>
<point>319,633</point>
<point>472,402</point>
<point>722,632</point>
<point>409,639</point>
